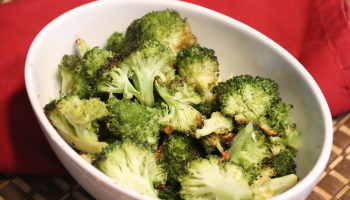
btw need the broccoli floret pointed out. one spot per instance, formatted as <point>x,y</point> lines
<point>246,98</point>
<point>290,137</point>
<point>207,107</point>
<point>277,148</point>
<point>113,78</point>
<point>177,151</point>
<point>146,62</point>
<point>87,68</point>
<point>265,174</point>
<point>104,132</point>
<point>128,119</point>
<point>87,157</point>
<point>249,149</point>
<point>165,26</point>
<point>68,68</point>
<point>213,142</point>
<point>93,60</point>
<point>133,165</point>
<point>200,67</point>
<point>237,172</point>
<point>141,63</point>
<point>76,121</point>
<point>266,188</point>
<point>217,123</point>
<point>206,179</point>
<point>256,100</point>
<point>249,146</point>
<point>116,42</point>
<point>167,73</point>
<point>82,46</point>
<point>217,144</point>
<point>283,163</point>
<point>277,118</point>
<point>82,89</point>
<point>178,112</point>
<point>170,191</point>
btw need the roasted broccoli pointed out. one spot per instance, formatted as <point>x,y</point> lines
<point>176,152</point>
<point>170,191</point>
<point>167,73</point>
<point>249,149</point>
<point>207,107</point>
<point>116,42</point>
<point>212,143</point>
<point>217,123</point>
<point>246,98</point>
<point>277,148</point>
<point>277,118</point>
<point>177,111</point>
<point>82,46</point>
<point>290,137</point>
<point>92,59</point>
<point>76,121</point>
<point>141,63</point>
<point>266,187</point>
<point>150,111</point>
<point>112,78</point>
<point>249,146</point>
<point>104,132</point>
<point>256,100</point>
<point>283,163</point>
<point>129,119</point>
<point>200,66</point>
<point>68,69</point>
<point>206,179</point>
<point>133,165</point>
<point>165,26</point>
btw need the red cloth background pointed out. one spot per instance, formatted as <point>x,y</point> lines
<point>316,32</point>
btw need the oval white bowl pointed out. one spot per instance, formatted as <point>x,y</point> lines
<point>240,50</point>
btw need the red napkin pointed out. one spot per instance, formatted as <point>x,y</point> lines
<point>316,32</point>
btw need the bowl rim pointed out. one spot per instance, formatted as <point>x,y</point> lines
<point>309,180</point>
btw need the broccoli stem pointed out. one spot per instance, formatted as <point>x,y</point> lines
<point>238,142</point>
<point>119,84</point>
<point>145,86</point>
<point>206,130</point>
<point>281,184</point>
<point>82,46</point>
<point>92,147</point>
<point>223,188</point>
<point>290,139</point>
<point>205,179</point>
<point>67,131</point>
<point>67,81</point>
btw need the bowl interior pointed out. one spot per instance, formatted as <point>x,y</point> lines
<point>239,48</point>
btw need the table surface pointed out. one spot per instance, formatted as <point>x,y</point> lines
<point>334,183</point>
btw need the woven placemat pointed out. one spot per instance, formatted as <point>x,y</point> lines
<point>6,1</point>
<point>333,184</point>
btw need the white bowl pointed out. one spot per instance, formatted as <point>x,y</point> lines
<point>239,48</point>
